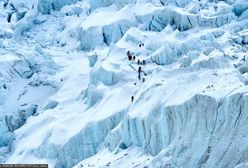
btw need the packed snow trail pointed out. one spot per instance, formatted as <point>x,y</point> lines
<point>66,83</point>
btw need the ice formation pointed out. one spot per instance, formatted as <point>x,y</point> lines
<point>66,83</point>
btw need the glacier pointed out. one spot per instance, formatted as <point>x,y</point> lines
<point>66,84</point>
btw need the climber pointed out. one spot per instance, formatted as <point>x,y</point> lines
<point>9,17</point>
<point>129,55</point>
<point>138,62</point>
<point>140,45</point>
<point>130,58</point>
<point>143,80</point>
<point>132,98</point>
<point>143,62</point>
<point>4,86</point>
<point>134,58</point>
<point>5,4</point>
<point>139,71</point>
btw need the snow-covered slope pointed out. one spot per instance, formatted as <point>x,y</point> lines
<point>66,83</point>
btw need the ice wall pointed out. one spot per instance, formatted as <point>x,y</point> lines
<point>47,6</point>
<point>198,127</point>
<point>155,19</point>
<point>189,40</point>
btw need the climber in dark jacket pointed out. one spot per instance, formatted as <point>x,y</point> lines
<point>132,98</point>
<point>139,71</point>
<point>134,58</point>
<point>5,4</point>
<point>9,17</point>
<point>138,62</point>
<point>143,62</point>
<point>129,55</point>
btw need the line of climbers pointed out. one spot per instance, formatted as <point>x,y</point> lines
<point>139,63</point>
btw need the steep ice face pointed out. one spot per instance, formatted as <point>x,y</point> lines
<point>156,18</point>
<point>47,6</point>
<point>94,4</point>
<point>240,6</point>
<point>110,28</point>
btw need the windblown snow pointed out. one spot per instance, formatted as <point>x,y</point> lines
<point>70,96</point>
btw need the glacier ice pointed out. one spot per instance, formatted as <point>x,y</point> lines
<point>47,6</point>
<point>240,6</point>
<point>66,84</point>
